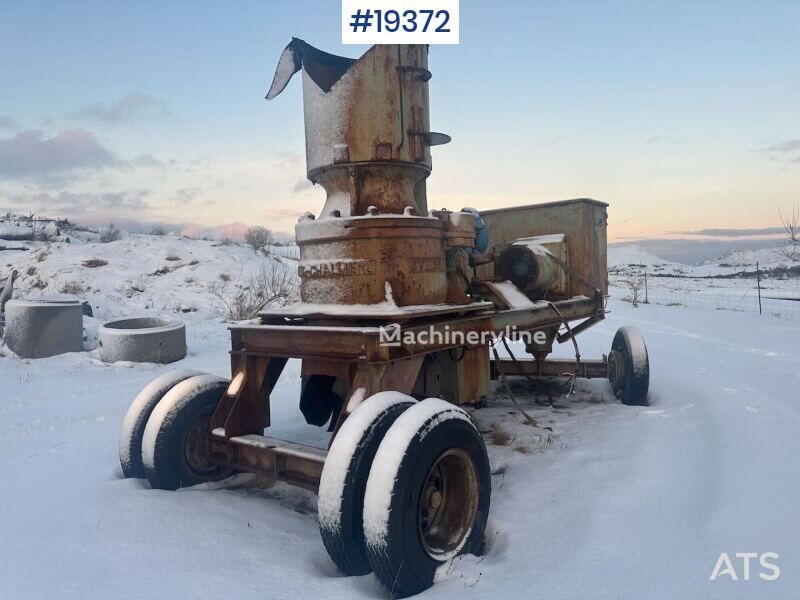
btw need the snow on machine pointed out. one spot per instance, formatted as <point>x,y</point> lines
<point>401,307</point>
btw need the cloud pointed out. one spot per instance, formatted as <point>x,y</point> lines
<point>133,107</point>
<point>79,205</point>
<point>283,214</point>
<point>30,153</point>
<point>734,232</point>
<point>7,122</point>
<point>34,155</point>
<point>289,162</point>
<point>186,195</point>
<point>302,186</point>
<point>234,230</point>
<point>230,230</point>
<point>783,146</point>
<point>145,160</point>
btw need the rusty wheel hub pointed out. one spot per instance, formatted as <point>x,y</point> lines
<point>448,504</point>
<point>616,370</point>
<point>197,448</point>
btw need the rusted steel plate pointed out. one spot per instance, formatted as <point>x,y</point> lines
<point>388,314</point>
<point>303,341</point>
<point>364,343</point>
<point>582,220</point>
<point>588,369</point>
<point>276,459</point>
<point>399,260</point>
<point>543,315</point>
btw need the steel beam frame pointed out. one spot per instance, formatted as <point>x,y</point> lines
<point>357,355</point>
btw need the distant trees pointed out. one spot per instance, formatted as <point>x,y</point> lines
<point>258,238</point>
<point>791,224</point>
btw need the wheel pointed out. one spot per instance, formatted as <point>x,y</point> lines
<point>130,439</point>
<point>427,497</point>
<point>344,479</point>
<point>629,367</point>
<point>176,441</point>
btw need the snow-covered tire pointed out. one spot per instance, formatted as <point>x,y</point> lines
<point>130,439</point>
<point>629,367</point>
<point>427,497</point>
<point>344,479</point>
<point>175,448</point>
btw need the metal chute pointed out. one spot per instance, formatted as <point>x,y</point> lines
<point>325,69</point>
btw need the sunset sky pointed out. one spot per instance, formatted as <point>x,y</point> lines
<point>684,116</point>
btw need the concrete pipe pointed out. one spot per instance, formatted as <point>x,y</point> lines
<point>142,339</point>
<point>44,327</point>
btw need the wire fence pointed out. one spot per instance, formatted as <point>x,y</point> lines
<point>775,303</point>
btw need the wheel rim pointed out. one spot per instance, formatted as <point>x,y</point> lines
<point>616,370</point>
<point>448,504</point>
<point>197,448</point>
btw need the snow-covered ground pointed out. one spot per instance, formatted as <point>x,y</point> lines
<point>139,273</point>
<point>715,284</point>
<point>614,502</point>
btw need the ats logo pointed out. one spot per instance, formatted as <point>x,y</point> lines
<point>725,567</point>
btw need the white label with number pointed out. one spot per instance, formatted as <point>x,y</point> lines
<point>400,21</point>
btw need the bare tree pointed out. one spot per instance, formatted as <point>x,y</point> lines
<point>111,233</point>
<point>635,284</point>
<point>273,284</point>
<point>791,224</point>
<point>258,238</point>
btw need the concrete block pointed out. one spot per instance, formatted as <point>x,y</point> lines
<point>44,327</point>
<point>142,339</point>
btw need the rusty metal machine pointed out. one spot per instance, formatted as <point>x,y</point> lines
<point>401,307</point>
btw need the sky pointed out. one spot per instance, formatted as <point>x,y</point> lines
<point>683,116</point>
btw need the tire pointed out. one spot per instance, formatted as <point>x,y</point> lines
<point>344,479</point>
<point>135,421</point>
<point>174,448</point>
<point>433,448</point>
<point>629,367</point>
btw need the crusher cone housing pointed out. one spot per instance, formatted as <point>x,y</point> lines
<point>368,145</point>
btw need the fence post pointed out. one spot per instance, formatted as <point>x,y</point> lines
<point>758,282</point>
<point>646,301</point>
